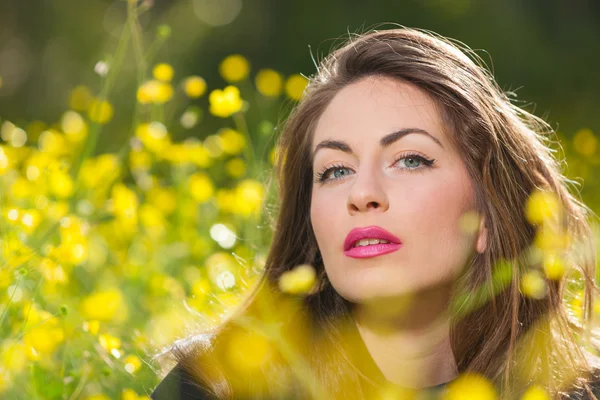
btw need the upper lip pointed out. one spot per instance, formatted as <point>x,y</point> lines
<point>370,232</point>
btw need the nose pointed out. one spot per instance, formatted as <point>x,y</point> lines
<point>367,192</point>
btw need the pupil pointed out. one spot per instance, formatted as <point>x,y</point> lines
<point>413,161</point>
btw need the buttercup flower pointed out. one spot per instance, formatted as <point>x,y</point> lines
<point>224,103</point>
<point>269,82</point>
<point>234,68</point>
<point>194,86</point>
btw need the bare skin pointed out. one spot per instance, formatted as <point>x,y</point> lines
<point>401,297</point>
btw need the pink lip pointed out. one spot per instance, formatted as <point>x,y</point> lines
<point>371,232</point>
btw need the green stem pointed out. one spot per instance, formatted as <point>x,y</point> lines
<point>95,128</point>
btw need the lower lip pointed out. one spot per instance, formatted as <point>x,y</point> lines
<point>372,250</point>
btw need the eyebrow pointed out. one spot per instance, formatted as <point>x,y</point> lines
<point>385,141</point>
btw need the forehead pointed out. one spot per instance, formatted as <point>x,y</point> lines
<point>375,106</point>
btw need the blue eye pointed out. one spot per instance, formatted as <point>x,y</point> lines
<point>413,162</point>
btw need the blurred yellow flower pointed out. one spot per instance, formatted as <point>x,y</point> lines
<point>201,187</point>
<point>226,200</point>
<point>154,91</point>
<point>53,142</point>
<point>234,68</point>
<point>101,170</point>
<point>109,342</point>
<point>248,350</point>
<point>154,136</point>
<point>97,397</point>
<point>100,111</point>
<point>13,356</point>
<point>469,386</point>
<point>81,98</point>
<point>165,199</point>
<point>232,142</point>
<point>43,335</point>
<point>299,280</point>
<point>249,194</point>
<point>130,394</point>
<point>132,363</point>
<point>535,392</point>
<point>541,206</point>
<point>125,202</point>
<point>533,284</point>
<point>269,82</point>
<point>194,86</point>
<point>74,127</point>
<point>61,185</point>
<point>139,160</point>
<point>163,72</point>
<point>585,142</point>
<point>236,167</point>
<point>554,266</point>
<point>224,103</point>
<point>295,85</point>
<point>105,305</point>
<point>92,326</point>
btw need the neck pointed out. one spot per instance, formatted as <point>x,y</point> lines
<point>410,340</point>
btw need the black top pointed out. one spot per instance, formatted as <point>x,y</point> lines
<point>180,385</point>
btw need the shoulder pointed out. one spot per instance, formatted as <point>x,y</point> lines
<point>180,385</point>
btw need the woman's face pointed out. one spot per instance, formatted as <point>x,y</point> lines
<point>412,184</point>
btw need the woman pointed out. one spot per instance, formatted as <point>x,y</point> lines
<point>433,212</point>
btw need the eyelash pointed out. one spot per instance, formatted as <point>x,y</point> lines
<point>320,176</point>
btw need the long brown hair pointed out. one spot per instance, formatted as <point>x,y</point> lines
<point>509,156</point>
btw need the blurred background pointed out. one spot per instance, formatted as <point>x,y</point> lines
<point>545,50</point>
<point>125,193</point>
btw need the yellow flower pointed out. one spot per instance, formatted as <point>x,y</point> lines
<point>13,356</point>
<point>470,386</point>
<point>100,111</point>
<point>236,167</point>
<point>99,396</point>
<point>232,142</point>
<point>139,160</point>
<point>248,350</point>
<point>269,82</point>
<point>74,126</point>
<point>541,206</point>
<point>105,305</point>
<point>535,392</point>
<point>585,142</point>
<point>533,284</point>
<point>194,86</point>
<point>61,185</point>
<point>154,91</point>
<point>125,202</point>
<point>201,187</point>
<point>109,342</point>
<point>554,266</point>
<point>226,200</point>
<point>92,326</point>
<point>299,280</point>
<point>53,143</point>
<point>154,136</point>
<point>224,103</point>
<point>295,85</point>
<point>81,98</point>
<point>132,363</point>
<point>165,199</point>
<point>234,68</point>
<point>101,170</point>
<point>249,195</point>
<point>163,72</point>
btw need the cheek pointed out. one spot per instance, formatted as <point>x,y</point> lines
<point>433,213</point>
